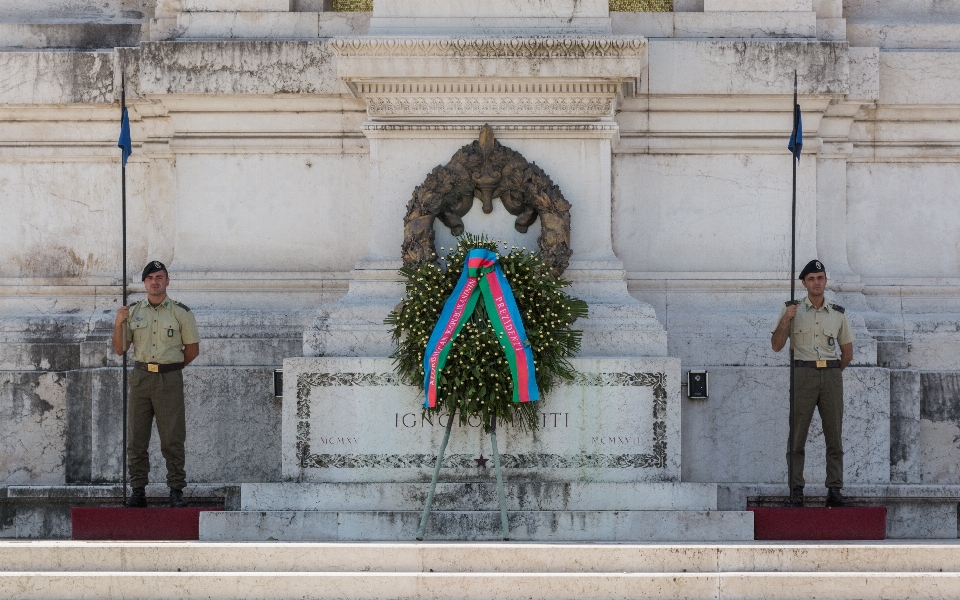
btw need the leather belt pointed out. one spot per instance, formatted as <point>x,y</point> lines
<point>818,364</point>
<point>157,368</point>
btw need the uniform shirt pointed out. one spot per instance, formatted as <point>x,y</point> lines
<point>816,333</point>
<point>159,334</point>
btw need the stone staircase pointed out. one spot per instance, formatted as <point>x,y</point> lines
<point>537,511</point>
<point>465,571</point>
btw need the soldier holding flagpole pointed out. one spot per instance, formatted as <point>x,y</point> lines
<point>821,347</point>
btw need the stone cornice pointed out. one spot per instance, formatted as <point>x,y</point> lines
<point>497,127</point>
<point>467,106</point>
<point>492,47</point>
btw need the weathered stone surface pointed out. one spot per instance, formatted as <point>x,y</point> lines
<point>84,36</point>
<point>67,427</point>
<point>248,67</point>
<point>28,11</point>
<point>32,426</point>
<point>43,512</point>
<point>940,427</point>
<point>886,229</point>
<point>236,5</point>
<point>905,402</point>
<point>739,434</point>
<point>745,24</point>
<point>56,78</point>
<point>619,526</point>
<point>267,25</point>
<point>472,56</point>
<point>904,10</point>
<point>757,5</point>
<point>734,67</point>
<point>918,77</point>
<point>479,495</point>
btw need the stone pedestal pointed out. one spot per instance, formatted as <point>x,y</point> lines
<point>349,419</point>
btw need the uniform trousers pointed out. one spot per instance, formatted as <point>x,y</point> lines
<point>820,389</point>
<point>157,395</point>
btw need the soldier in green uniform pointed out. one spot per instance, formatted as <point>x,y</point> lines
<point>822,345</point>
<point>165,339</point>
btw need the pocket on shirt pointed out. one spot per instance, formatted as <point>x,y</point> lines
<point>169,324</point>
<point>803,336</point>
<point>134,325</point>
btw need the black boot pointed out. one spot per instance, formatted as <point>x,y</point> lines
<point>176,499</point>
<point>796,498</point>
<point>137,498</point>
<point>836,499</point>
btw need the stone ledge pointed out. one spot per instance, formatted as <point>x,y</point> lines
<point>57,77</point>
<point>238,67</point>
<point>605,526</point>
<point>726,67</point>
<point>77,36</point>
<point>479,495</point>
<point>484,558</point>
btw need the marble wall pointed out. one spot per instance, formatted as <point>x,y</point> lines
<point>256,180</point>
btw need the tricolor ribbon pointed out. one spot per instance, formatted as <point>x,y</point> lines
<point>482,275</point>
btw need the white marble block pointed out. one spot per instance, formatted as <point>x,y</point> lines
<point>491,8</point>
<point>237,5</point>
<point>348,419</point>
<point>757,5</point>
<point>490,17</point>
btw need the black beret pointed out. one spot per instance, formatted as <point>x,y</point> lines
<point>814,266</point>
<point>152,267</point>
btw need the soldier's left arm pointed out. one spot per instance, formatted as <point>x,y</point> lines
<point>846,355</point>
<point>190,352</point>
<point>845,339</point>
<point>190,335</point>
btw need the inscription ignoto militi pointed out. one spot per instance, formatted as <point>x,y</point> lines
<point>656,459</point>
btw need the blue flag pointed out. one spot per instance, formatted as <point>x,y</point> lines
<point>124,141</point>
<point>796,138</point>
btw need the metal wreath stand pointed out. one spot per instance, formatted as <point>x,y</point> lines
<point>504,527</point>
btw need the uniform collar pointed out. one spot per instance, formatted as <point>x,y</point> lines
<point>807,305</point>
<point>165,304</point>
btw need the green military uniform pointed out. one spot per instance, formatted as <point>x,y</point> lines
<point>815,336</point>
<point>158,334</point>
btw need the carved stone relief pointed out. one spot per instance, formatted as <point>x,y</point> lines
<point>487,170</point>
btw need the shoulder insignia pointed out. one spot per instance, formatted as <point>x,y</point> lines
<point>838,308</point>
<point>792,302</point>
<point>182,305</point>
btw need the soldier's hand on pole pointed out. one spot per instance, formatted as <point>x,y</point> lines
<point>789,314</point>
<point>119,341</point>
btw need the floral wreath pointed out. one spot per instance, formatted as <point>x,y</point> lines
<point>476,379</point>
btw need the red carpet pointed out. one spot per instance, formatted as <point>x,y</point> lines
<point>855,523</point>
<point>137,523</point>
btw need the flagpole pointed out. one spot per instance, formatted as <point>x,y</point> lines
<point>123,211</point>
<point>794,158</point>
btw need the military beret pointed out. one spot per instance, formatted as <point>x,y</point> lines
<point>152,267</point>
<point>814,266</point>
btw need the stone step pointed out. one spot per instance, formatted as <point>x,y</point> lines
<point>554,586</point>
<point>464,557</point>
<point>553,526</point>
<point>270,25</point>
<point>480,495</point>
